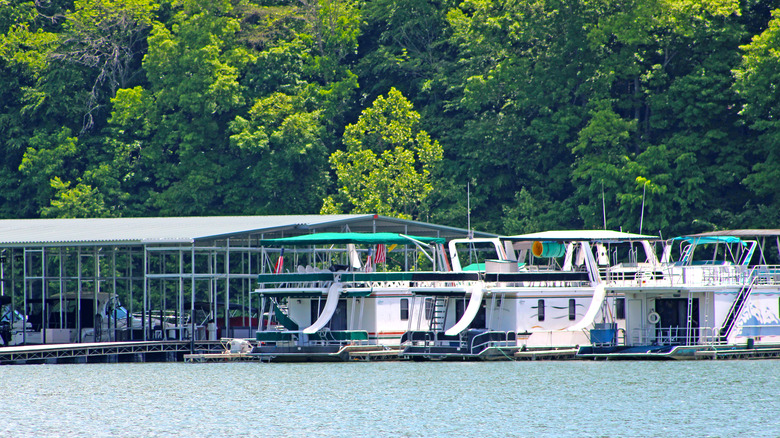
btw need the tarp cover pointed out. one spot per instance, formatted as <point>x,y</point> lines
<point>364,238</point>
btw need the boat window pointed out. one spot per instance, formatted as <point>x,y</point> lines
<point>404,309</point>
<point>540,310</point>
<point>620,308</point>
<point>428,308</point>
<point>472,254</point>
<point>572,309</point>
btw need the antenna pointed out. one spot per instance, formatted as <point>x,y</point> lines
<point>642,215</point>
<point>603,205</point>
<point>468,208</point>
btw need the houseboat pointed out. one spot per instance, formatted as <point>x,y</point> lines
<point>346,294</point>
<point>718,299</point>
<point>534,292</point>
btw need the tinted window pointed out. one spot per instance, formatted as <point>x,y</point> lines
<point>620,308</point>
<point>404,309</point>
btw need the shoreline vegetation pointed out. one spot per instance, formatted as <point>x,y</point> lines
<point>646,116</point>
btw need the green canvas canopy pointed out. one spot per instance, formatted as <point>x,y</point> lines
<point>363,238</point>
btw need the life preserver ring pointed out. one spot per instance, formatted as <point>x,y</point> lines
<point>653,317</point>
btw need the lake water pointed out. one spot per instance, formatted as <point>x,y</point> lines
<point>393,399</point>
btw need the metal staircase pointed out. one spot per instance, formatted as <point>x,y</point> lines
<point>440,305</point>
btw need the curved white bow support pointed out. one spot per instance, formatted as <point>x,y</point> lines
<point>470,313</point>
<point>327,313</point>
<point>599,294</point>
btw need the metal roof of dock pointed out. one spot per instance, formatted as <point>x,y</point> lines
<point>186,230</point>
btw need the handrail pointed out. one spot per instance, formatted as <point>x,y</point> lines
<point>476,344</point>
<point>491,342</point>
<point>708,275</point>
<point>675,336</point>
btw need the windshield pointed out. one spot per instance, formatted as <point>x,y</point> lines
<point>6,315</point>
<point>120,312</point>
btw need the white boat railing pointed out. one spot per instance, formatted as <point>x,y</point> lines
<point>488,340</point>
<point>675,336</point>
<point>678,276</point>
<point>767,274</point>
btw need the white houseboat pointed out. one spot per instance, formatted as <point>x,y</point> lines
<point>340,298</point>
<point>540,291</point>
<point>715,301</point>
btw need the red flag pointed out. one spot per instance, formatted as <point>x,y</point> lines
<point>381,254</point>
<point>279,263</point>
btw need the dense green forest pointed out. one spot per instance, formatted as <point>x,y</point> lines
<point>538,114</point>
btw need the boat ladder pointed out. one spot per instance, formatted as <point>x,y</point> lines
<point>689,320</point>
<point>439,316</point>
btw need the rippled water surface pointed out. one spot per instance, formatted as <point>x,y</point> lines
<point>504,399</point>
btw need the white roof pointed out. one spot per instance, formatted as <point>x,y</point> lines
<point>589,235</point>
<point>151,230</point>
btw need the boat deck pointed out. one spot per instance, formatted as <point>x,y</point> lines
<point>547,354</point>
<point>680,352</point>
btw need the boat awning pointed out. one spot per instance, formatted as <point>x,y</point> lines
<point>360,238</point>
<point>581,235</point>
<point>702,240</point>
<point>741,233</point>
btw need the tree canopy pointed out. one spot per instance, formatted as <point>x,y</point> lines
<point>659,114</point>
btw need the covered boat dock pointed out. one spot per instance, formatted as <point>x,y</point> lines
<point>119,280</point>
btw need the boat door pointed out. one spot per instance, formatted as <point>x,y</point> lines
<point>479,321</point>
<point>672,326</point>
<point>339,319</point>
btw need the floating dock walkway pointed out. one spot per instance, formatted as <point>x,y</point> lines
<point>137,351</point>
<point>218,351</point>
<point>345,354</point>
<point>739,353</point>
